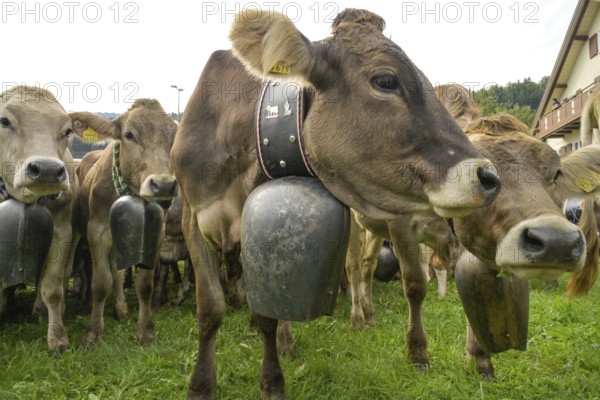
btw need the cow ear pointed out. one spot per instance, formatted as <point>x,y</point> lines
<point>580,173</point>
<point>92,127</point>
<point>269,44</point>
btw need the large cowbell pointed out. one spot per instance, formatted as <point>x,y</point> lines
<point>497,308</point>
<point>26,232</point>
<point>136,226</point>
<point>294,242</point>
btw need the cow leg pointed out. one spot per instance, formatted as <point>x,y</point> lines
<point>102,280</point>
<point>414,281</point>
<point>186,283</point>
<point>121,309</point>
<point>159,295</point>
<point>272,383</point>
<point>39,308</point>
<point>143,287</point>
<point>52,288</point>
<point>176,274</point>
<point>440,267</point>
<point>353,257</point>
<point>483,361</point>
<point>285,338</point>
<point>371,248</point>
<point>210,310</point>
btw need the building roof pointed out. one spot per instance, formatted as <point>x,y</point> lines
<point>575,39</point>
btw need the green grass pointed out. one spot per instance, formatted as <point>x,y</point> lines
<point>562,360</point>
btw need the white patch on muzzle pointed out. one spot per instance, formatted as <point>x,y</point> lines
<point>461,191</point>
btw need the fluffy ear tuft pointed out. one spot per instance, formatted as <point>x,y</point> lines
<point>92,127</point>
<point>268,43</point>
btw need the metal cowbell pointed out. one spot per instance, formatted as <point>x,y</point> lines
<point>136,226</point>
<point>26,233</point>
<point>387,265</point>
<point>294,240</point>
<point>497,308</point>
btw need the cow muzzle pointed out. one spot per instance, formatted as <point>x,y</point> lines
<point>466,186</point>
<point>543,248</point>
<point>159,187</point>
<point>42,176</point>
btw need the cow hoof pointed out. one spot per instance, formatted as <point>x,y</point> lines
<point>121,311</point>
<point>273,396</point>
<point>197,396</point>
<point>357,322</point>
<point>58,348</point>
<point>91,338</point>
<point>146,334</point>
<point>422,368</point>
<point>372,321</point>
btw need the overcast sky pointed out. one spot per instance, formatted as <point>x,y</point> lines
<point>100,55</point>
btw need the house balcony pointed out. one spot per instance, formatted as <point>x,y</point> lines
<point>564,119</point>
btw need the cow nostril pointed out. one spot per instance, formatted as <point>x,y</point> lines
<point>531,242</point>
<point>33,169</point>
<point>61,173</point>
<point>154,187</point>
<point>489,180</point>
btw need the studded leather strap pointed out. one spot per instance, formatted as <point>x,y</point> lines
<point>279,117</point>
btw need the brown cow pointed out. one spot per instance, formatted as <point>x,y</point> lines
<point>373,133</point>
<point>527,236</point>
<point>406,233</point>
<point>34,134</point>
<point>172,250</point>
<point>402,232</point>
<point>145,133</point>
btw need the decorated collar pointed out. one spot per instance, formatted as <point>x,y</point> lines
<point>121,187</point>
<point>279,116</point>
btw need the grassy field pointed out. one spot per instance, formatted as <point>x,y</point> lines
<point>562,360</point>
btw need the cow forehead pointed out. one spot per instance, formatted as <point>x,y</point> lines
<point>40,114</point>
<point>516,149</point>
<point>148,122</point>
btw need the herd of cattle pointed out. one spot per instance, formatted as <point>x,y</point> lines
<point>418,166</point>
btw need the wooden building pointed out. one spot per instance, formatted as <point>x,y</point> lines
<point>576,74</point>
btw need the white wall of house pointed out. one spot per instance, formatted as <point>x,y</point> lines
<point>585,69</point>
<point>572,138</point>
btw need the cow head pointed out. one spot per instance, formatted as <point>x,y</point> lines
<point>523,231</point>
<point>34,134</point>
<point>145,133</point>
<point>374,133</point>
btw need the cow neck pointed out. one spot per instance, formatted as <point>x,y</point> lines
<point>278,127</point>
<point>4,195</point>
<point>121,187</point>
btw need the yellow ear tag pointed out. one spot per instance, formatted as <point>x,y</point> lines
<point>90,135</point>
<point>281,68</point>
<point>589,183</point>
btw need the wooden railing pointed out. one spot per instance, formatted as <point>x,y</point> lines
<point>568,112</point>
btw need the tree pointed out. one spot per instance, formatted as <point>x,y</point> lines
<point>520,99</point>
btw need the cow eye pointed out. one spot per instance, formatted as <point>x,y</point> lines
<point>68,132</point>
<point>129,136</point>
<point>387,83</point>
<point>4,122</point>
<point>558,173</point>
